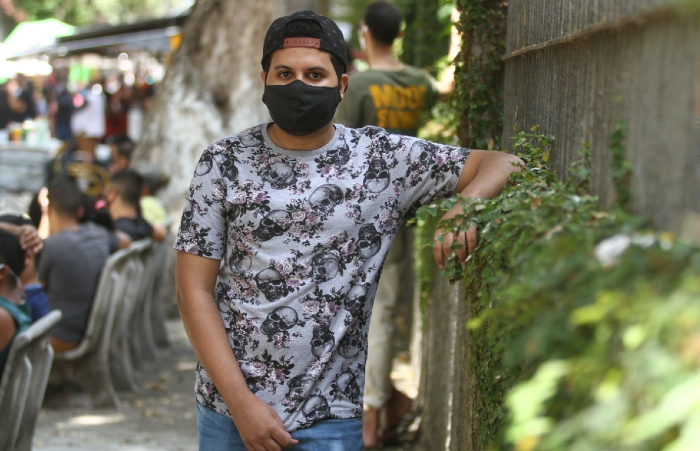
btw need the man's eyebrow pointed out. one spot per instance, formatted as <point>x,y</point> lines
<point>315,68</point>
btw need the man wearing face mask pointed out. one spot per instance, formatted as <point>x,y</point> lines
<point>281,243</point>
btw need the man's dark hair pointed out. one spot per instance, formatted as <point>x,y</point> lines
<point>11,253</point>
<point>125,146</point>
<point>18,220</point>
<point>154,182</point>
<point>306,28</point>
<point>96,213</point>
<point>65,197</point>
<point>128,184</point>
<point>383,19</point>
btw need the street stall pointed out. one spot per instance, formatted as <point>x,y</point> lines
<point>126,61</point>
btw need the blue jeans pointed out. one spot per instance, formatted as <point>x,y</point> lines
<point>218,433</point>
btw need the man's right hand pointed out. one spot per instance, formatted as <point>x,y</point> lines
<point>30,240</point>
<point>260,427</point>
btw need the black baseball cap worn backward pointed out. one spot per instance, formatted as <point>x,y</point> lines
<point>331,40</point>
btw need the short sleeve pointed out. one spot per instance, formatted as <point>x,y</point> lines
<point>428,171</point>
<point>202,228</point>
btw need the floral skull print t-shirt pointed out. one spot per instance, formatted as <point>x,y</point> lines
<point>302,236</point>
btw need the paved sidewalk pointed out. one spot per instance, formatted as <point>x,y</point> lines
<point>161,417</point>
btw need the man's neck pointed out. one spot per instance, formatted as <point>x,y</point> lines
<point>312,141</point>
<point>60,223</point>
<point>381,57</point>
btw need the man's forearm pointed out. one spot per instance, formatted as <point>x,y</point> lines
<point>11,228</point>
<point>210,342</point>
<point>492,175</point>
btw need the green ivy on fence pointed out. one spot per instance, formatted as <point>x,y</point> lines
<point>479,74</point>
<point>585,329</point>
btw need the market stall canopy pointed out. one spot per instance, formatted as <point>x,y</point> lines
<point>156,35</point>
<point>30,34</point>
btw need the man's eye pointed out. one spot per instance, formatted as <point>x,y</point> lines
<point>285,74</point>
<point>315,75</point>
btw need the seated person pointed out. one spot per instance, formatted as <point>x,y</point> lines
<point>71,262</point>
<point>15,315</point>
<point>121,147</point>
<point>152,208</point>
<point>29,239</point>
<point>96,211</point>
<point>123,196</point>
<point>36,298</point>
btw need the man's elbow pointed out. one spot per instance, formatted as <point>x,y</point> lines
<point>514,162</point>
<point>159,233</point>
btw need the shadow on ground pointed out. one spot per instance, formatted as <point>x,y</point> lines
<point>160,417</point>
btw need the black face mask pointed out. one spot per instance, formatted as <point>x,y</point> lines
<point>300,109</point>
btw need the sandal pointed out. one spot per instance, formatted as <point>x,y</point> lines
<point>402,432</point>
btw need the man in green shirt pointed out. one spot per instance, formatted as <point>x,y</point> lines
<point>390,94</point>
<point>394,96</point>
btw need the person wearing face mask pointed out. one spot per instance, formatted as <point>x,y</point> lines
<point>15,313</point>
<point>282,239</point>
<point>394,96</point>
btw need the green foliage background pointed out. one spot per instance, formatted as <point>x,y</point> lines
<point>91,12</point>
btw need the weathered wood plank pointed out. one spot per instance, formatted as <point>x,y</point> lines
<point>643,73</point>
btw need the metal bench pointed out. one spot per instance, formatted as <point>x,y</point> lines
<point>124,359</point>
<point>161,253</point>
<point>142,339</point>
<point>24,383</point>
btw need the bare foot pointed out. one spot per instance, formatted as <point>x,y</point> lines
<point>370,428</point>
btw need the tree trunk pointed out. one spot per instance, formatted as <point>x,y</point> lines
<point>212,89</point>
<point>322,7</point>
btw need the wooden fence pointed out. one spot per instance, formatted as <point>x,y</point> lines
<point>576,68</point>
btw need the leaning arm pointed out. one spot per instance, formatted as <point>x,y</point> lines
<point>484,175</point>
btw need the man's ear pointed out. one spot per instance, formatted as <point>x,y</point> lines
<point>109,194</point>
<point>263,76</point>
<point>343,84</point>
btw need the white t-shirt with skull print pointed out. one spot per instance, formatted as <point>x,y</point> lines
<point>302,236</point>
